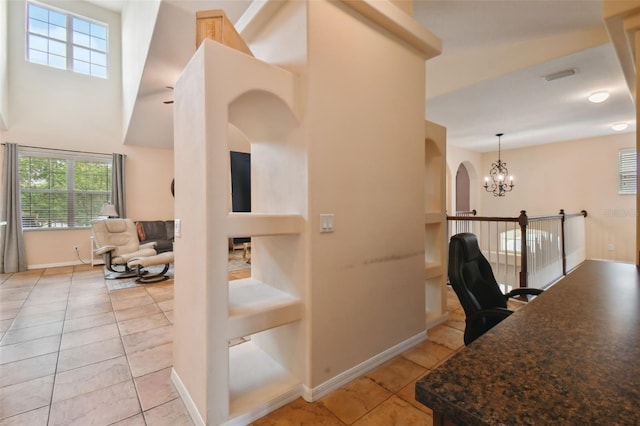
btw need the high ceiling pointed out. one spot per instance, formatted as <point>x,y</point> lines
<point>489,78</point>
<point>520,40</point>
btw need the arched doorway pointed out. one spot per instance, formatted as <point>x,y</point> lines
<point>463,203</point>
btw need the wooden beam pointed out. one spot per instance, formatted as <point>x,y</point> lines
<point>215,25</point>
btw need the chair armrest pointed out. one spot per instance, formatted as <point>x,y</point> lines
<point>150,245</point>
<point>524,291</point>
<point>491,312</point>
<point>104,249</point>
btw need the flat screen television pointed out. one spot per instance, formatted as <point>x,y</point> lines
<point>240,185</point>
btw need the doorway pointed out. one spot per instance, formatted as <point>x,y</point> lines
<point>463,201</point>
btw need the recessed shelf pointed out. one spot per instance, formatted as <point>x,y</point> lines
<point>432,270</point>
<point>433,218</point>
<point>256,380</point>
<point>259,224</point>
<point>255,306</point>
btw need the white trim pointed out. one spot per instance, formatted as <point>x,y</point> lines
<point>395,20</point>
<point>242,419</point>
<point>264,409</point>
<point>437,321</point>
<point>257,15</point>
<point>384,13</point>
<point>56,265</point>
<point>186,399</point>
<point>314,394</point>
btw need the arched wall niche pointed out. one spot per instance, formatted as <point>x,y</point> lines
<point>433,169</point>
<point>262,116</point>
<point>268,123</point>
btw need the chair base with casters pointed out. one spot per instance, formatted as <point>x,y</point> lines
<point>474,283</point>
<point>145,277</point>
<point>121,271</point>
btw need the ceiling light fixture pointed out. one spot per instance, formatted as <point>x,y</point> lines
<point>598,97</point>
<point>618,127</point>
<point>498,174</point>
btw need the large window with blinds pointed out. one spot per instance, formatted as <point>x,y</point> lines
<point>628,171</point>
<point>61,189</point>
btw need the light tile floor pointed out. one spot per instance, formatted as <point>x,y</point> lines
<point>73,353</point>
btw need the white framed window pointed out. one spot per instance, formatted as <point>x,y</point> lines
<point>61,189</point>
<point>628,171</point>
<point>63,40</point>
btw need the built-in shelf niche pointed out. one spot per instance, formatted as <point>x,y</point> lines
<point>247,379</point>
<point>435,224</point>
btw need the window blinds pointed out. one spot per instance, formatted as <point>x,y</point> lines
<point>628,172</point>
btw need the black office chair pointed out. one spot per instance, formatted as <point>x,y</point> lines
<point>472,279</point>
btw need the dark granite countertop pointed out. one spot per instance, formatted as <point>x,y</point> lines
<point>569,357</point>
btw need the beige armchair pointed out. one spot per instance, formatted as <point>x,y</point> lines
<point>117,241</point>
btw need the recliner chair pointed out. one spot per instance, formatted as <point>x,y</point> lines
<point>117,241</point>
<point>472,279</point>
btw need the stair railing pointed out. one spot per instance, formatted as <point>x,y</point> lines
<point>553,245</point>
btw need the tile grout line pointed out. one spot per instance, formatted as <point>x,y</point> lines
<point>126,355</point>
<point>23,302</point>
<point>64,320</point>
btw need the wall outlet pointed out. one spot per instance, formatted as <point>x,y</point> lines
<point>75,248</point>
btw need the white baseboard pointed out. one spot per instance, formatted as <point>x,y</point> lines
<point>186,399</point>
<point>432,322</point>
<point>264,409</point>
<point>240,420</point>
<point>314,394</point>
<point>309,394</point>
<point>57,265</point>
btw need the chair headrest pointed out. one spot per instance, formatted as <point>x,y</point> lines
<point>115,225</point>
<point>469,243</point>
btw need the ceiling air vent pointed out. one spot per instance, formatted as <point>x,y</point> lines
<point>560,74</point>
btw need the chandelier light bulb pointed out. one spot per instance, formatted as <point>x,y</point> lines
<point>598,97</point>
<point>618,127</point>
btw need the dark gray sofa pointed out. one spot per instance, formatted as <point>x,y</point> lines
<point>158,231</point>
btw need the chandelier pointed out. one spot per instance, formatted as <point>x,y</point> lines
<point>498,175</point>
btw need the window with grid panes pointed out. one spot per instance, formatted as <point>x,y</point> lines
<point>63,40</point>
<point>62,190</point>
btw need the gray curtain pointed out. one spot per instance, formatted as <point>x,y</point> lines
<point>118,185</point>
<point>12,255</point>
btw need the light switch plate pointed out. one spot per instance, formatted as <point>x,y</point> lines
<point>326,222</point>
<point>177,228</point>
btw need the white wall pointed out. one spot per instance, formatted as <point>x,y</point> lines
<point>138,22</point>
<point>4,79</point>
<point>60,109</point>
<point>365,115</point>
<point>573,175</point>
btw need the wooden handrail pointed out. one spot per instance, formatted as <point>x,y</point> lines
<point>523,220</point>
<point>484,218</point>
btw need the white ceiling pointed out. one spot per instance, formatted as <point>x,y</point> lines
<point>510,99</point>
<point>519,102</point>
